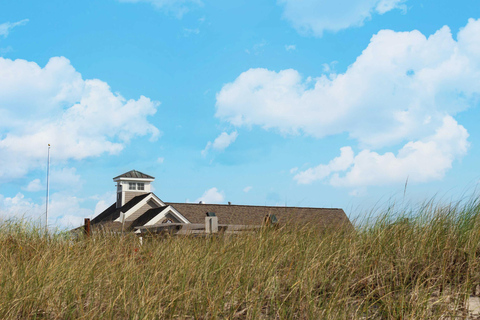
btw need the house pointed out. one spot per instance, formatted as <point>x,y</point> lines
<point>139,210</point>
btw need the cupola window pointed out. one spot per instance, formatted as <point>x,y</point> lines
<point>141,186</point>
<point>132,186</point>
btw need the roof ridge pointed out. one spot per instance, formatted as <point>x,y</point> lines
<point>247,205</point>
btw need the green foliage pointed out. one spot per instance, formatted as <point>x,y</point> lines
<point>416,264</point>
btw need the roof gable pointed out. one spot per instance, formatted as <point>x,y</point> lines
<point>112,213</point>
<point>136,206</point>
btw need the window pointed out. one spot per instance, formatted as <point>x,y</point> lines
<point>132,186</point>
<point>141,186</point>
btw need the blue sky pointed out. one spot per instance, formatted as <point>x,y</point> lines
<point>298,103</point>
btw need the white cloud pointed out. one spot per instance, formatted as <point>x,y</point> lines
<point>212,196</point>
<point>341,163</point>
<point>65,210</point>
<point>247,189</point>
<point>103,203</point>
<point>69,221</point>
<point>221,142</point>
<point>6,27</point>
<point>34,186</point>
<point>187,31</point>
<point>419,161</point>
<point>177,7</point>
<point>398,90</point>
<point>329,67</point>
<point>18,207</point>
<point>60,178</point>
<point>79,118</point>
<point>65,178</point>
<point>257,48</point>
<point>160,159</point>
<point>358,192</point>
<point>290,47</point>
<point>100,207</point>
<point>315,17</point>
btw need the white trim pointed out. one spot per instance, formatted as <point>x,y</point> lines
<point>158,217</point>
<point>162,215</point>
<point>141,204</point>
<point>134,179</point>
<point>178,214</point>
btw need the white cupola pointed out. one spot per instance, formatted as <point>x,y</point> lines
<point>131,184</point>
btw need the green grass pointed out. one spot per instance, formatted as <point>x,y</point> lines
<point>416,264</point>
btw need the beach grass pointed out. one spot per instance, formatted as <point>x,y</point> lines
<point>416,263</point>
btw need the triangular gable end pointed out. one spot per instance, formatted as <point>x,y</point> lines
<point>163,213</point>
<point>136,207</point>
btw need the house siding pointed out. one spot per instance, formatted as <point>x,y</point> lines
<point>129,195</point>
<point>149,205</point>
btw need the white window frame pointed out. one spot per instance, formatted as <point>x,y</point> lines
<point>141,186</point>
<point>132,186</point>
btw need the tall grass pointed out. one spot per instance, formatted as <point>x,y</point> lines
<point>417,264</point>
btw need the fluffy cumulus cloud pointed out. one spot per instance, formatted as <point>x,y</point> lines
<point>221,142</point>
<point>34,186</point>
<point>404,89</point>
<point>212,196</point>
<point>65,211</point>
<point>315,17</point>
<point>177,7</point>
<point>18,207</point>
<point>419,161</point>
<point>79,118</point>
<point>6,27</point>
<point>340,163</point>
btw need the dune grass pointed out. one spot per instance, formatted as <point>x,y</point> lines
<point>420,264</point>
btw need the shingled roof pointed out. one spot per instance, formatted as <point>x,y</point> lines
<point>254,215</point>
<point>112,213</point>
<point>134,174</point>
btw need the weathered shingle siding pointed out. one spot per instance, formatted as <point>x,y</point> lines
<point>130,195</point>
<point>147,206</point>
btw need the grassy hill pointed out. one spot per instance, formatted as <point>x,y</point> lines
<point>420,264</point>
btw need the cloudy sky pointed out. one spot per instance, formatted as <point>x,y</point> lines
<point>299,103</point>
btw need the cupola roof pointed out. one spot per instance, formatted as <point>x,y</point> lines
<point>134,174</point>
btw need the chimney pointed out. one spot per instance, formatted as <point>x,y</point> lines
<point>211,223</point>
<point>200,202</point>
<point>229,203</point>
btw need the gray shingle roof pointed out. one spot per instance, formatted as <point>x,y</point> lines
<point>134,174</point>
<point>229,215</point>
<point>112,213</point>
<point>254,215</point>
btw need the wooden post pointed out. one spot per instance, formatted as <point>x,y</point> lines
<point>88,230</point>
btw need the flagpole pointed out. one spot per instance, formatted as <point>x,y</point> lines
<point>46,205</point>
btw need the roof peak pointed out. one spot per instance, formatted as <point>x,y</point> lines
<point>134,174</point>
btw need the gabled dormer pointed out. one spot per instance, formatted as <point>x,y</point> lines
<point>131,184</point>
